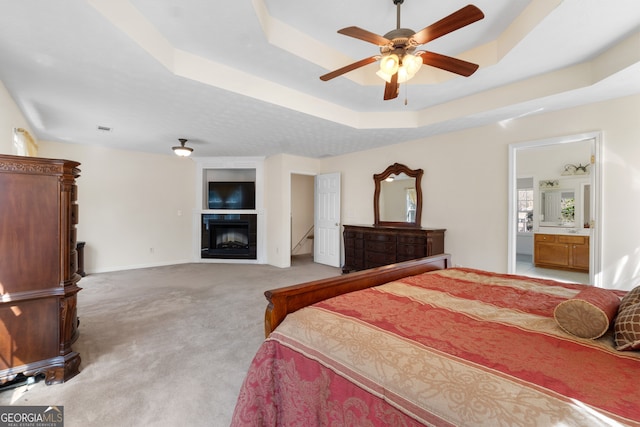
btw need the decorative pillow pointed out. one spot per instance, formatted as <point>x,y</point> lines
<point>588,314</point>
<point>631,298</point>
<point>627,328</point>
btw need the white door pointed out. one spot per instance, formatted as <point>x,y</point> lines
<point>326,248</point>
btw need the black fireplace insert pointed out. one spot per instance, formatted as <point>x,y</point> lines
<point>231,236</point>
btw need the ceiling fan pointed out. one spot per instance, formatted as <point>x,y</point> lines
<point>399,60</point>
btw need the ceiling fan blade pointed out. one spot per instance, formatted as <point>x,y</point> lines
<point>463,17</point>
<point>347,68</point>
<point>391,88</point>
<point>448,63</point>
<point>368,36</point>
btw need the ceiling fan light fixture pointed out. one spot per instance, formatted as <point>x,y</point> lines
<point>406,66</point>
<point>398,61</point>
<point>412,63</point>
<point>181,150</point>
<point>384,76</point>
<point>389,64</point>
<point>403,74</point>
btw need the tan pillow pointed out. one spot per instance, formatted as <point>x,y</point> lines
<point>627,328</point>
<point>588,314</point>
<point>631,298</point>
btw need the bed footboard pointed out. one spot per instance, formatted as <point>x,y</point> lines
<point>283,301</point>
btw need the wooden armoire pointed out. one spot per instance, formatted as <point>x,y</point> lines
<point>38,264</point>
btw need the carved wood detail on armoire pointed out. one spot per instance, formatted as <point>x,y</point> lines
<point>38,268</point>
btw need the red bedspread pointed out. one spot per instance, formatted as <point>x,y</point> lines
<point>452,347</point>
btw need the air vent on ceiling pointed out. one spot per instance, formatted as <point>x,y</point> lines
<point>103,128</point>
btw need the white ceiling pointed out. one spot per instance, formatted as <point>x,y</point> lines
<point>241,78</point>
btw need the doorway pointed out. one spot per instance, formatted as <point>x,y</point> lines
<point>538,168</point>
<point>302,217</point>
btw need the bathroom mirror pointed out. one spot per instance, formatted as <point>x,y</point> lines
<point>557,207</point>
<point>397,200</point>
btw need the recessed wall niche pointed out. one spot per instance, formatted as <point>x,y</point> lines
<point>229,216</point>
<point>213,176</point>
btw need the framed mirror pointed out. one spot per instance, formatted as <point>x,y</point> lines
<point>557,208</point>
<point>397,200</point>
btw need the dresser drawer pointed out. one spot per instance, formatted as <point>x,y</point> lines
<point>380,237</point>
<point>374,259</point>
<point>412,240</point>
<point>354,243</point>
<point>353,234</point>
<point>379,246</point>
<point>380,257</point>
<point>411,251</point>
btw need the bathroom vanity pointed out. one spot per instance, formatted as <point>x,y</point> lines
<point>568,251</point>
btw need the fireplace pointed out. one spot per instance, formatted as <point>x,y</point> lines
<point>229,201</point>
<point>228,236</point>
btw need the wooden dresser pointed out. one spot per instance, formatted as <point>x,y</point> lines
<point>38,264</point>
<point>562,251</point>
<point>367,246</point>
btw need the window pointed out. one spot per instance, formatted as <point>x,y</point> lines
<point>525,210</point>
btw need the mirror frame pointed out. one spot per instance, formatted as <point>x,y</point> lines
<point>397,169</point>
<point>559,222</point>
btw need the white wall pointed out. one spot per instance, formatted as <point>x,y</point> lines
<point>474,211</point>
<point>129,201</point>
<point>135,208</point>
<point>547,162</point>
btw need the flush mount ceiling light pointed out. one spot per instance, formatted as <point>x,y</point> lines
<point>181,150</point>
<point>399,59</point>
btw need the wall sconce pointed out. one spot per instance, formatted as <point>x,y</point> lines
<point>580,169</point>
<point>549,183</point>
<point>181,150</point>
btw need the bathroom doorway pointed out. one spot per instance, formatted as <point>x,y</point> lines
<point>567,166</point>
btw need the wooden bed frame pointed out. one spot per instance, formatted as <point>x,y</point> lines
<point>283,301</point>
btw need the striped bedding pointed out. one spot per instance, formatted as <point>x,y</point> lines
<point>454,347</point>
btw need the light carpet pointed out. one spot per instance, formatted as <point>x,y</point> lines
<point>165,346</point>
